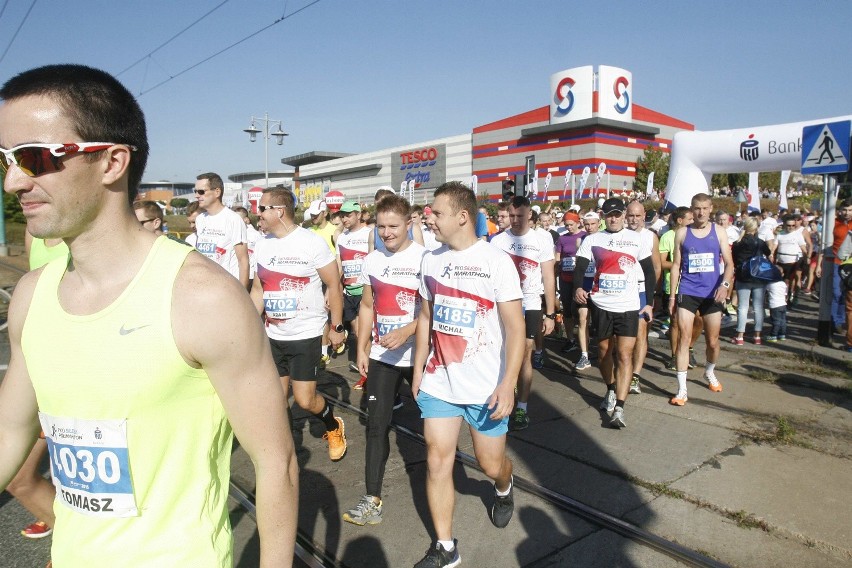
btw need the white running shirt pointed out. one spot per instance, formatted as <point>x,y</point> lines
<point>527,252</point>
<point>352,247</point>
<point>294,306</point>
<point>395,281</point>
<point>466,359</point>
<point>616,257</point>
<point>218,235</point>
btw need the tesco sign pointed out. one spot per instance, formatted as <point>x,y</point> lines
<point>427,166</point>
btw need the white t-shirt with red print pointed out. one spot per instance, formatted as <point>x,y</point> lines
<point>528,252</point>
<point>395,280</point>
<point>616,257</point>
<point>218,235</point>
<point>352,248</point>
<point>294,306</point>
<point>466,360</point>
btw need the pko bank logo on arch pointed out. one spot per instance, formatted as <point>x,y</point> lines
<point>749,149</point>
<point>563,97</point>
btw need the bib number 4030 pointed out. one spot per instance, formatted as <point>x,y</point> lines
<point>86,465</point>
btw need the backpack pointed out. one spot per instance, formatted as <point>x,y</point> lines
<point>845,272</point>
<point>761,269</point>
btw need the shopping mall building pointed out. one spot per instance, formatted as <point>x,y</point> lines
<point>587,118</point>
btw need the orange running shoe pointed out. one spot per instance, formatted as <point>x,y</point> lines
<point>336,441</point>
<point>679,400</point>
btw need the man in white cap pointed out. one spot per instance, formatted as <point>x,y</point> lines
<point>318,214</point>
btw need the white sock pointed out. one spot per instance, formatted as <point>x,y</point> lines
<point>681,382</point>
<point>538,351</point>
<point>709,367</point>
<point>447,544</point>
<point>522,405</point>
<point>324,350</point>
<point>507,491</point>
<point>584,354</point>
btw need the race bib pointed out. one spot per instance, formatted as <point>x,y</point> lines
<point>701,262</point>
<point>281,305</point>
<point>207,249</point>
<point>352,268</point>
<point>590,270</point>
<point>454,316</point>
<point>568,263</point>
<point>90,466</point>
<point>386,324</point>
<point>612,283</point>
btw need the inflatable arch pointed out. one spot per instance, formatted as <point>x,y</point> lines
<point>697,155</point>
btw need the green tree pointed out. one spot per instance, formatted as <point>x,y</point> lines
<point>652,160</point>
<point>12,209</point>
<point>179,202</point>
<point>729,180</point>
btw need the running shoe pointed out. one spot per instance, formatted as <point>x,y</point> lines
<point>771,339</point>
<point>397,402</point>
<point>366,512</point>
<point>782,338</point>
<point>608,403</point>
<point>731,310</point>
<point>617,419</point>
<point>692,362</point>
<point>672,364</point>
<point>538,359</point>
<point>570,346</point>
<point>324,360</point>
<point>520,420</point>
<point>503,507</point>
<point>38,529</point>
<point>353,367</point>
<point>439,557</point>
<point>757,341</point>
<point>336,440</point>
<point>714,384</point>
<point>737,340</point>
<point>679,399</point>
<point>583,363</point>
<point>360,384</point>
<point>634,385</point>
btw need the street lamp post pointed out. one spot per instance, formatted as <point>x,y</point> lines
<point>279,134</point>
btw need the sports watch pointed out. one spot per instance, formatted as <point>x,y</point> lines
<point>338,328</point>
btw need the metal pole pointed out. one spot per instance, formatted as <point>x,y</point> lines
<point>266,145</point>
<point>826,288</point>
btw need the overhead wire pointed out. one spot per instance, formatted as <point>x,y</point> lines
<point>3,9</point>
<point>236,43</point>
<point>171,39</point>
<point>11,41</point>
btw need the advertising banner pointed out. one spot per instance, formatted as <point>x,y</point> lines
<point>571,94</point>
<point>615,93</point>
<point>426,166</point>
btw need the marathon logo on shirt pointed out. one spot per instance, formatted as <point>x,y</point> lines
<point>286,260</point>
<point>400,272</point>
<point>618,242</point>
<point>64,433</point>
<point>212,232</point>
<point>521,246</point>
<point>464,272</point>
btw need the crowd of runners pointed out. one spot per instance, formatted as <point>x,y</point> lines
<point>447,298</point>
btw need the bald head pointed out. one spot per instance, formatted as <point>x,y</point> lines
<point>635,216</point>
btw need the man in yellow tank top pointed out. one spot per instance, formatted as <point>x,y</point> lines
<point>116,355</point>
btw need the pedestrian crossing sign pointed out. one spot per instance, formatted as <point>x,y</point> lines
<point>825,148</point>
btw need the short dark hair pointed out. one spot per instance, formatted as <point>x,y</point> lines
<point>520,201</point>
<point>701,198</point>
<point>99,107</point>
<point>151,209</point>
<point>242,211</point>
<point>393,204</point>
<point>192,208</point>
<point>461,197</point>
<point>282,196</point>
<point>214,179</point>
<point>678,214</point>
<point>381,194</point>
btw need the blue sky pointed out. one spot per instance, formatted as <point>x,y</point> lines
<point>357,76</point>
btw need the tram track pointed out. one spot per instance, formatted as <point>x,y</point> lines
<point>313,556</point>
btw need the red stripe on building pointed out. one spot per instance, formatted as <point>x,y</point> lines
<point>538,115</point>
